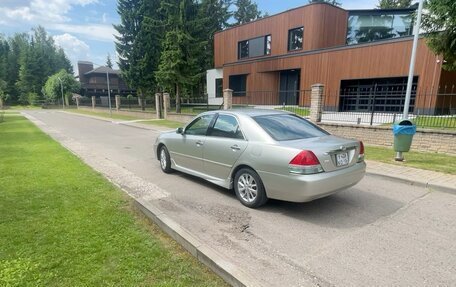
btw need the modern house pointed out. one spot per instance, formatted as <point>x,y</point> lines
<point>353,53</point>
<point>94,81</point>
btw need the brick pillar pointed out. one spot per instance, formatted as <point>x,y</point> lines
<point>227,99</point>
<point>158,105</point>
<point>117,102</point>
<point>166,104</point>
<point>316,103</point>
<point>93,102</point>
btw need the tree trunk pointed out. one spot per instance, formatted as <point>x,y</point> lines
<point>178,105</point>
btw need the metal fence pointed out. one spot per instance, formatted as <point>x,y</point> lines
<point>427,110</point>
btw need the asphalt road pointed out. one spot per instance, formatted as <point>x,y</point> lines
<point>378,232</point>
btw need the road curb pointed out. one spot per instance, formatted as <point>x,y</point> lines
<point>425,184</point>
<point>205,254</point>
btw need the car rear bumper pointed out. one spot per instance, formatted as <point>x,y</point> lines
<point>303,188</point>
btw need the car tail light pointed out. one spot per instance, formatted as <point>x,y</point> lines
<point>305,163</point>
<point>361,152</point>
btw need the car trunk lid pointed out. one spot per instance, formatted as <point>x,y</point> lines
<point>333,152</point>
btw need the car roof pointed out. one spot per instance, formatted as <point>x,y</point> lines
<point>253,112</point>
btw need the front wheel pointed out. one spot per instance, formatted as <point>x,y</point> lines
<point>165,160</point>
<point>249,188</point>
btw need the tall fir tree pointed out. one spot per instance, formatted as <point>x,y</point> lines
<point>178,69</point>
<point>246,11</point>
<point>139,43</point>
<point>215,15</point>
<point>127,42</point>
<point>109,61</point>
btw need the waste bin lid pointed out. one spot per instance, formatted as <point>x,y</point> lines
<point>404,123</point>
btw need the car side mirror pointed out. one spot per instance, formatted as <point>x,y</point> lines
<point>180,130</point>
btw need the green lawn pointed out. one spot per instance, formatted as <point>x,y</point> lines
<point>303,112</point>
<point>424,160</point>
<point>63,224</point>
<point>436,122</point>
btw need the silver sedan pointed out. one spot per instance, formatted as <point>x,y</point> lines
<point>263,154</point>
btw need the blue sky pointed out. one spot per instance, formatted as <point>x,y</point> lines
<point>83,28</point>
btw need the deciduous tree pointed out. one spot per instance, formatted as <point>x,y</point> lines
<point>440,24</point>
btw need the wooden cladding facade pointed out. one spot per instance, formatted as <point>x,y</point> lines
<point>325,58</point>
<point>379,60</point>
<point>324,26</point>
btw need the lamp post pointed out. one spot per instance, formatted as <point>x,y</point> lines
<point>408,94</point>
<point>61,88</point>
<point>109,91</point>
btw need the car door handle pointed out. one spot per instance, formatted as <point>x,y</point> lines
<point>235,147</point>
<point>199,143</point>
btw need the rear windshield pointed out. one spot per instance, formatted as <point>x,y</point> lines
<point>288,127</point>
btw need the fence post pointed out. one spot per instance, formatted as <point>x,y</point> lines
<point>316,103</point>
<point>1,103</point>
<point>227,99</point>
<point>158,105</point>
<point>117,102</point>
<point>93,102</point>
<point>77,102</point>
<point>166,104</point>
<point>167,101</point>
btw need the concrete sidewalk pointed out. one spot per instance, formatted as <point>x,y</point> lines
<point>427,178</point>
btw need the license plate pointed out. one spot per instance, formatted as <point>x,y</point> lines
<point>341,159</point>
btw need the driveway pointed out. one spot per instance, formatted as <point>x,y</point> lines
<point>378,232</point>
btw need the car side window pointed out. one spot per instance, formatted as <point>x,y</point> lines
<point>227,127</point>
<point>199,126</point>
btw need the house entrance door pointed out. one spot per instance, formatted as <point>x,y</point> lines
<point>289,87</point>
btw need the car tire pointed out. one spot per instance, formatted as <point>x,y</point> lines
<point>249,188</point>
<point>165,160</point>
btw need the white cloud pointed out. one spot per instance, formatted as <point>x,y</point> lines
<point>104,18</point>
<point>98,32</point>
<point>74,48</point>
<point>72,45</point>
<point>41,11</point>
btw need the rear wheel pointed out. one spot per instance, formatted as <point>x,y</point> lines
<point>165,160</point>
<point>249,188</point>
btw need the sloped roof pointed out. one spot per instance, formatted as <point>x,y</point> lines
<point>103,70</point>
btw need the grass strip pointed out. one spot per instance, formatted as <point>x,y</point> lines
<point>424,160</point>
<point>63,224</point>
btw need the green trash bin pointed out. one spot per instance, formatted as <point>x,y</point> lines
<point>403,131</point>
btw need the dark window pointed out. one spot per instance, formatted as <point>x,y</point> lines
<point>218,88</point>
<point>199,126</point>
<point>255,47</point>
<point>227,127</point>
<point>295,38</point>
<point>267,45</point>
<point>288,127</point>
<point>238,84</point>
<point>369,26</point>
<point>243,49</point>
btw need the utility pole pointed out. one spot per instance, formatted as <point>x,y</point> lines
<point>109,91</point>
<point>416,35</point>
